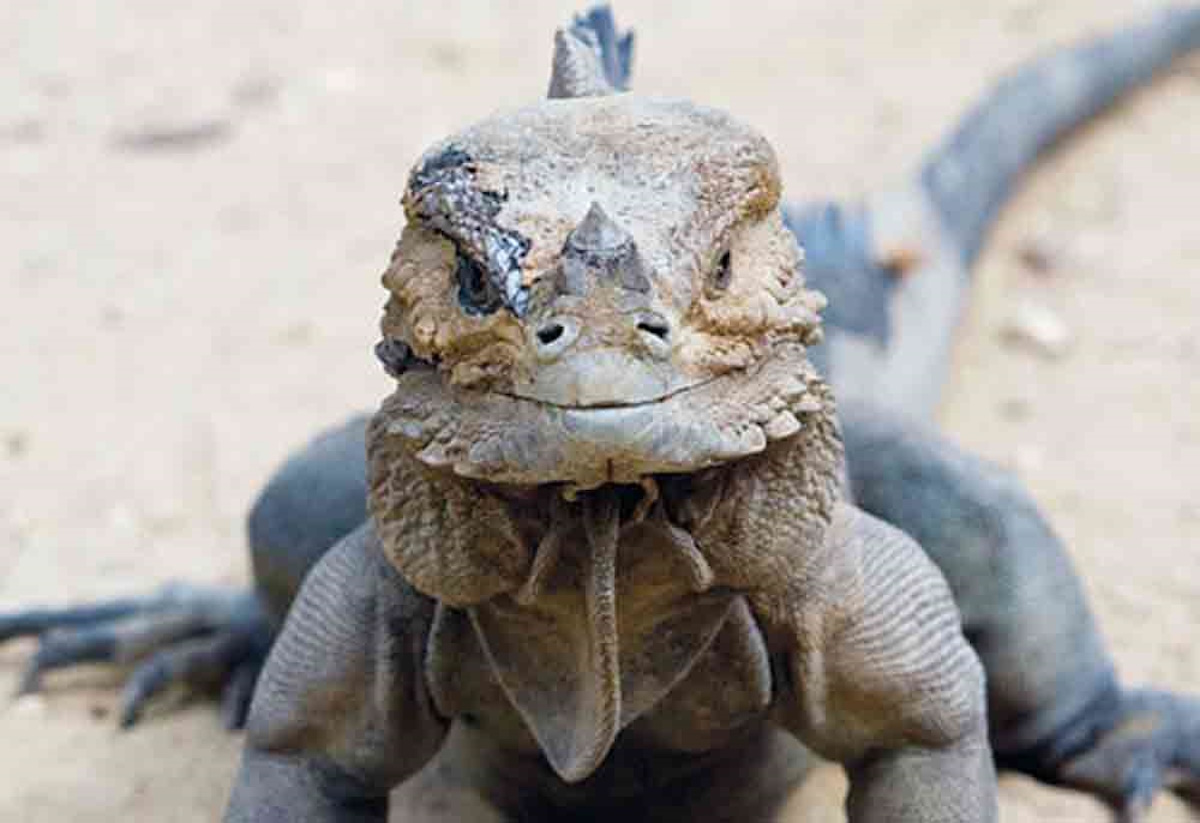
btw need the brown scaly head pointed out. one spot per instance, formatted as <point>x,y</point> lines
<point>594,289</point>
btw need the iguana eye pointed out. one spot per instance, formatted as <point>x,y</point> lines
<point>722,272</point>
<point>476,294</point>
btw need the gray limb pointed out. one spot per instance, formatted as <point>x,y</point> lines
<point>1056,708</point>
<point>930,786</point>
<point>192,635</point>
<point>280,789</point>
<point>341,714</point>
<point>879,677</point>
<point>228,661</point>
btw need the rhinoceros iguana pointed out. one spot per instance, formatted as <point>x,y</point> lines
<point>613,526</point>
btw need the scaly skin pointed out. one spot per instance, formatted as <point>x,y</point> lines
<point>709,512</point>
<point>609,486</point>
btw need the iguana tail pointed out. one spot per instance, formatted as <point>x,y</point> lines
<point>890,338</point>
<point>969,176</point>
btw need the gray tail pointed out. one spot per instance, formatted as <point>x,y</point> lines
<point>929,231</point>
<point>969,176</point>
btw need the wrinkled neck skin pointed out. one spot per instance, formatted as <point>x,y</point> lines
<point>761,493</point>
<point>573,583</point>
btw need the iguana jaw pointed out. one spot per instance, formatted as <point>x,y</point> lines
<point>506,439</point>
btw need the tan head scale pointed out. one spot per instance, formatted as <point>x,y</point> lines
<point>596,289</point>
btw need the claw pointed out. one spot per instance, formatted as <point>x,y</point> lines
<point>116,641</point>
<point>183,634</point>
<point>67,648</point>
<point>1145,780</point>
<point>235,699</point>
<point>36,621</point>
<point>1153,743</point>
<point>199,662</point>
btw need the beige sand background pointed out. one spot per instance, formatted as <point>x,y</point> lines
<point>179,313</point>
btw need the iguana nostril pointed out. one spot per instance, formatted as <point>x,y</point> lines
<point>548,334</point>
<point>554,338</point>
<point>655,328</point>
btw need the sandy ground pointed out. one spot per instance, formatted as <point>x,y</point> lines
<point>197,198</point>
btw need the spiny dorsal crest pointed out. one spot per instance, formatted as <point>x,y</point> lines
<point>590,58</point>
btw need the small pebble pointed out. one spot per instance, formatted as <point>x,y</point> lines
<point>1038,257</point>
<point>112,317</point>
<point>1042,252</point>
<point>256,91</point>
<point>1038,328</point>
<point>16,444</point>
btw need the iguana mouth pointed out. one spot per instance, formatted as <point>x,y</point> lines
<point>494,436</point>
<point>398,359</point>
<point>634,404</point>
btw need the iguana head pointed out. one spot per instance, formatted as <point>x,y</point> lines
<point>595,289</point>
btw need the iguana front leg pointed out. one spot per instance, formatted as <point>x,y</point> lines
<point>875,673</point>
<point>208,638</point>
<point>1056,708</point>
<point>341,714</point>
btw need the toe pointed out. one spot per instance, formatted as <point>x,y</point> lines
<point>1154,744</point>
<point>200,662</point>
<point>147,680</point>
<point>29,622</point>
<point>1143,781</point>
<point>67,647</point>
<point>235,700</point>
<point>200,637</point>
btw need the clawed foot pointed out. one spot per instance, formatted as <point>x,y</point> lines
<point>1154,744</point>
<point>204,638</point>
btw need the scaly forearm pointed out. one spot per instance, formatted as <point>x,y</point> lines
<point>956,784</point>
<point>277,789</point>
